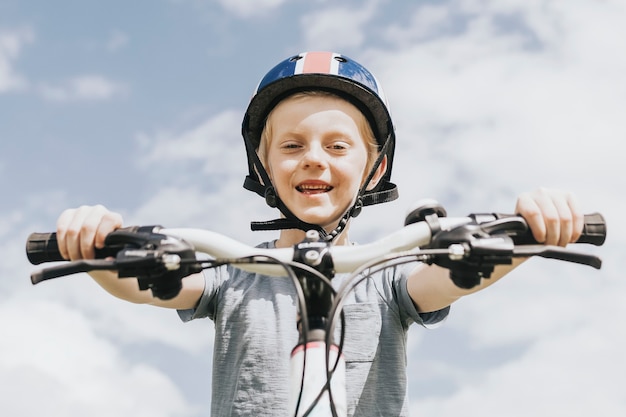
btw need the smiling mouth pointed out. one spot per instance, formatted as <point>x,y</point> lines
<point>313,188</point>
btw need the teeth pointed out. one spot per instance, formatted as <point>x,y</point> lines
<point>312,187</point>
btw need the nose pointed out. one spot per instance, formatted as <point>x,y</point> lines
<point>314,157</point>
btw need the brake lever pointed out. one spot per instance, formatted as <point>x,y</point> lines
<point>128,263</point>
<point>559,253</point>
<point>74,267</point>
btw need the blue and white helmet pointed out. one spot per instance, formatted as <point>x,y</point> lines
<point>327,71</point>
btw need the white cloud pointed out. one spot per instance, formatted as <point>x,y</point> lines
<point>81,88</point>
<point>54,354</point>
<point>490,110</point>
<point>490,103</point>
<point>66,343</point>
<point>550,375</point>
<point>202,169</point>
<point>11,44</point>
<point>247,9</point>
<point>336,28</point>
<point>77,359</point>
<point>215,141</point>
<point>430,22</point>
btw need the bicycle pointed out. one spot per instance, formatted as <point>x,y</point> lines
<point>470,247</point>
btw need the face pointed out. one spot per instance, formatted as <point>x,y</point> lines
<point>316,157</point>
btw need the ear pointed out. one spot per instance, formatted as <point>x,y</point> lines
<point>380,171</point>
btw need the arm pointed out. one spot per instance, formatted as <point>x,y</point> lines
<point>81,230</point>
<point>554,219</point>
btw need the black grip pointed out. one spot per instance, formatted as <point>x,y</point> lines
<point>594,231</point>
<point>43,247</point>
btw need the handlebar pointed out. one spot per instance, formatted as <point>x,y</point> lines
<point>469,246</point>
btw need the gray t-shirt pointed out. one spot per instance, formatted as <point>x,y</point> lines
<point>255,331</point>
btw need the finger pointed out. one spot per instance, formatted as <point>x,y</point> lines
<point>81,234</point>
<point>89,230</point>
<point>71,229</point>
<point>570,219</point>
<point>530,211</point>
<point>578,218</point>
<point>547,203</point>
<point>109,222</point>
<point>62,225</point>
<point>564,222</point>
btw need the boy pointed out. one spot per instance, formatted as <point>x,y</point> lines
<point>320,146</point>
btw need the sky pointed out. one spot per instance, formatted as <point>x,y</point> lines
<point>138,106</point>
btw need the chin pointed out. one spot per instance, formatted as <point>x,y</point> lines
<point>324,221</point>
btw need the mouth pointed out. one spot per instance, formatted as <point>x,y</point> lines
<point>313,188</point>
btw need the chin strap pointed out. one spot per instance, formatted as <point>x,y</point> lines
<point>290,221</point>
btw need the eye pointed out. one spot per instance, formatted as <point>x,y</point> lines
<point>290,145</point>
<point>339,145</point>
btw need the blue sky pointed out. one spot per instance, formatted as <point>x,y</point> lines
<point>138,105</point>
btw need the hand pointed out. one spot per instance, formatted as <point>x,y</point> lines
<point>81,230</point>
<point>552,215</point>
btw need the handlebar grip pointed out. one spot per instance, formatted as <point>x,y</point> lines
<point>594,232</point>
<point>43,247</point>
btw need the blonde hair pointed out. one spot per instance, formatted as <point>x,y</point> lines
<point>362,124</point>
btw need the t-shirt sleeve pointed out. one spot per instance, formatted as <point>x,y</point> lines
<point>214,280</point>
<point>407,306</point>
<point>206,305</point>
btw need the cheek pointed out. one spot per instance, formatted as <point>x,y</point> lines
<point>280,169</point>
<point>356,169</point>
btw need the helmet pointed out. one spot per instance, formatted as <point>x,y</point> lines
<point>326,71</point>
